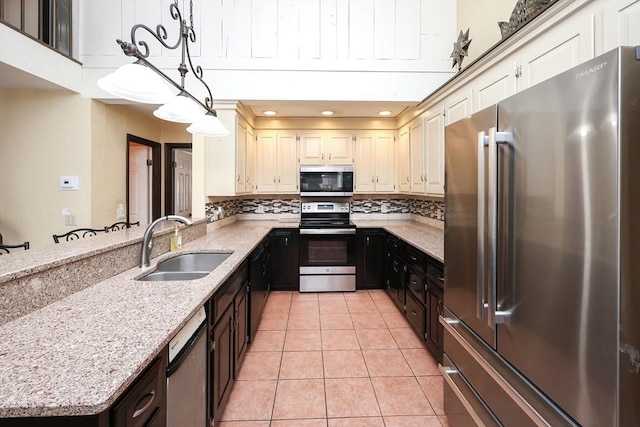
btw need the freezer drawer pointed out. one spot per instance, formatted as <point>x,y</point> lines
<point>512,399</point>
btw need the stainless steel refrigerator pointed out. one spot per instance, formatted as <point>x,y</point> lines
<point>542,253</point>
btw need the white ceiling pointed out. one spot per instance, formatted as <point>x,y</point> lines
<point>13,78</point>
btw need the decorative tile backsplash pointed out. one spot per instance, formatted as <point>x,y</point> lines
<point>426,208</point>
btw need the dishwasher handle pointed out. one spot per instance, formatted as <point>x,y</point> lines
<point>182,356</point>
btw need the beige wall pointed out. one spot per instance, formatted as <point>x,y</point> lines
<point>43,134</point>
<point>482,17</point>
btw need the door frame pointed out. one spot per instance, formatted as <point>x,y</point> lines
<point>169,181</point>
<point>156,174</point>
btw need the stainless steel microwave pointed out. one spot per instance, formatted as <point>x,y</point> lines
<point>320,181</point>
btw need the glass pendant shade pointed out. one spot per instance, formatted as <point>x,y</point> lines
<point>180,109</point>
<point>208,125</point>
<point>138,83</point>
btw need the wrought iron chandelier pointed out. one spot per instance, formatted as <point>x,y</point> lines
<point>143,82</point>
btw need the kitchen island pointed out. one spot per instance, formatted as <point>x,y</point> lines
<point>76,356</point>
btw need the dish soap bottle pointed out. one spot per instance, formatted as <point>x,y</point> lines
<point>176,239</point>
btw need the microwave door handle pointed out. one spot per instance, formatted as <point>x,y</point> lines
<point>481,212</point>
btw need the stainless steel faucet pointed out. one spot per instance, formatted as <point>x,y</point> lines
<point>147,241</point>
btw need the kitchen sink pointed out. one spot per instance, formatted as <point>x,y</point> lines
<point>189,266</point>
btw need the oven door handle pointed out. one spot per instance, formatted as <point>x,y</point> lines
<point>328,231</point>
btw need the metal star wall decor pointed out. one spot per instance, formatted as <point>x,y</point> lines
<point>460,48</point>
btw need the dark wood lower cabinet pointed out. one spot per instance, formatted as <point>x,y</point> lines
<point>416,315</point>
<point>241,332</point>
<point>285,264</point>
<point>370,257</point>
<point>396,278</point>
<point>222,362</point>
<point>435,332</point>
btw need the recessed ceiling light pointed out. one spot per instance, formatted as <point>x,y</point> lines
<point>327,113</point>
<point>269,112</point>
<point>384,113</point>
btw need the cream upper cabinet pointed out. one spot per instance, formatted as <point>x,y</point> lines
<point>404,162</point>
<point>245,158</point>
<point>230,161</point>
<point>374,162</point>
<point>326,148</point>
<point>417,163</point>
<point>277,162</point>
<point>434,154</point>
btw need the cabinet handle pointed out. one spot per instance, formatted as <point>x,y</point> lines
<point>373,179</point>
<point>274,179</point>
<point>238,177</point>
<point>329,156</point>
<point>233,322</point>
<point>322,156</point>
<point>413,258</point>
<point>367,241</point>
<point>414,313</point>
<point>286,241</point>
<point>377,179</point>
<point>422,177</point>
<point>441,278</point>
<point>278,180</point>
<point>151,396</point>
<point>414,283</point>
<point>408,179</point>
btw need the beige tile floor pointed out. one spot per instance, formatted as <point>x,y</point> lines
<point>332,360</point>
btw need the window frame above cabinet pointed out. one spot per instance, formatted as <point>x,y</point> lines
<point>326,148</point>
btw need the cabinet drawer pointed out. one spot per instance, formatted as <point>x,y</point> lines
<point>144,403</point>
<point>435,274</point>
<point>416,284</point>
<point>416,314</point>
<point>395,245</point>
<point>416,259</point>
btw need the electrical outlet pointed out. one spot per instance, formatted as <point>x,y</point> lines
<point>260,209</point>
<point>384,208</point>
<point>120,211</point>
<point>70,220</point>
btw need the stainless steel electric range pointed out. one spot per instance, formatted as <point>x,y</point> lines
<point>327,248</point>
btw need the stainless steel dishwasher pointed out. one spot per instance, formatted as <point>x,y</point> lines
<point>187,374</point>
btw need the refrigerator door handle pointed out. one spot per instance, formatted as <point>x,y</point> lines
<point>495,139</point>
<point>481,305</point>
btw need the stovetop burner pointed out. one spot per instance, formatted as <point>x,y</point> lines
<point>325,215</point>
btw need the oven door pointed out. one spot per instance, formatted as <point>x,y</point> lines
<point>327,260</point>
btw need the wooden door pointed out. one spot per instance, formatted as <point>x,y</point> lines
<point>385,165</point>
<point>339,149</point>
<point>312,149</point>
<point>182,182</point>
<point>287,164</point>
<point>267,153</point>
<point>139,183</point>
<point>364,171</point>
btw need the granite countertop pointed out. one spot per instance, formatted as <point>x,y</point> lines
<point>76,356</point>
<point>423,236</point>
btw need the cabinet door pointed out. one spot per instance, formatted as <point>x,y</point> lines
<point>364,169</point>
<point>339,148</point>
<point>435,332</point>
<point>385,169</point>
<point>416,315</point>
<point>240,303</point>
<point>370,259</point>
<point>312,149</point>
<point>404,165</point>
<point>267,154</point>
<point>395,279</point>
<point>434,145</point>
<point>241,157</point>
<point>287,164</point>
<point>250,164</point>
<point>221,372</point>
<point>416,148</point>
<point>284,264</point>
